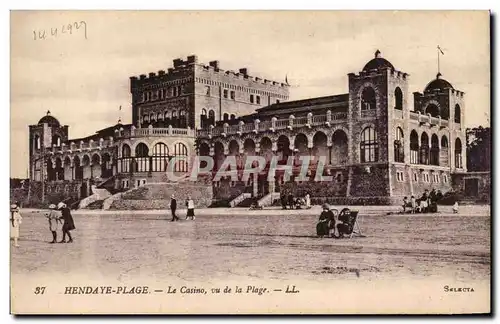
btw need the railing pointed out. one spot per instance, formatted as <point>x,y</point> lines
<point>81,146</point>
<point>150,131</point>
<point>282,123</point>
<point>319,119</point>
<point>414,116</point>
<point>274,124</point>
<point>339,116</point>
<point>368,113</point>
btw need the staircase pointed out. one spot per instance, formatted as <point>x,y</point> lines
<point>269,199</point>
<point>236,201</point>
<point>247,202</point>
<point>98,194</point>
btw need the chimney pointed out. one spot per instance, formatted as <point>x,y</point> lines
<point>178,62</point>
<point>244,71</point>
<point>161,72</point>
<point>192,59</point>
<point>214,64</point>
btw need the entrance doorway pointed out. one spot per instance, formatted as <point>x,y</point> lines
<point>472,187</point>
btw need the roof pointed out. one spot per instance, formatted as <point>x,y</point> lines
<point>339,102</point>
<point>438,84</point>
<point>377,63</point>
<point>48,119</point>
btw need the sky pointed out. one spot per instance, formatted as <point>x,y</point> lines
<point>82,77</point>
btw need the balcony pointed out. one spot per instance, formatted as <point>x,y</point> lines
<point>274,124</point>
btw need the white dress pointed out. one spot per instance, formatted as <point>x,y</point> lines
<point>15,222</point>
<point>308,201</point>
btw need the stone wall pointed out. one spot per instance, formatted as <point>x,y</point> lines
<point>157,196</point>
<point>374,183</point>
<point>459,182</point>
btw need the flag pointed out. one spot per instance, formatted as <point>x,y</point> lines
<point>286,79</point>
<point>120,108</point>
<point>439,48</point>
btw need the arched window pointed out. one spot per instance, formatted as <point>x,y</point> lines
<point>444,142</point>
<point>414,147</point>
<point>458,118</point>
<point>181,153</point>
<point>398,96</point>
<point>159,158</point>
<point>182,119</point>
<point>368,101</point>
<point>56,140</point>
<point>399,155</point>
<point>141,158</point>
<point>226,116</point>
<point>369,145</point>
<point>433,110</point>
<point>37,142</point>
<point>152,118</point>
<point>146,119</point>
<point>59,170</point>
<point>166,118</point>
<point>203,118</point>
<point>124,164</point>
<point>424,148</point>
<point>434,150</point>
<point>77,168</point>
<point>211,117</point>
<point>175,122</point>
<point>458,153</point>
<point>125,150</point>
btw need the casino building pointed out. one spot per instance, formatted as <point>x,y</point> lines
<point>375,146</point>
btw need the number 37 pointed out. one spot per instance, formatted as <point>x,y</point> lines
<point>39,290</point>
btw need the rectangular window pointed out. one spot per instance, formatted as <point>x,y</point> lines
<point>258,100</point>
<point>207,90</point>
<point>251,98</point>
<point>415,177</point>
<point>233,95</point>
<point>445,178</point>
<point>225,93</point>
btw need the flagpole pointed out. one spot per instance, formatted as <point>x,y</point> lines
<point>439,69</point>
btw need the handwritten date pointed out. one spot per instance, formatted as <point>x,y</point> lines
<point>67,29</point>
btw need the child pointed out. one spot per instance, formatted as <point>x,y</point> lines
<point>413,204</point>
<point>54,217</point>
<point>405,203</point>
<point>15,222</point>
<point>190,208</point>
<point>455,207</point>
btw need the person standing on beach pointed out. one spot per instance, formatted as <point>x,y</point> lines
<point>173,208</point>
<point>15,222</point>
<point>69,224</point>
<point>190,208</point>
<point>54,218</point>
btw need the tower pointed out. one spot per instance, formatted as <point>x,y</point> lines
<point>47,133</point>
<point>442,101</point>
<point>377,107</point>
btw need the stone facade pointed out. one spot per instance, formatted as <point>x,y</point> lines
<point>376,148</point>
<point>368,142</point>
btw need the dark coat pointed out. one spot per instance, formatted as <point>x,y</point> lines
<point>173,204</point>
<point>326,221</point>
<point>69,224</point>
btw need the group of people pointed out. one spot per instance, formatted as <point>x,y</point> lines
<point>427,203</point>
<point>289,201</point>
<point>189,205</point>
<point>327,223</point>
<point>59,217</point>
